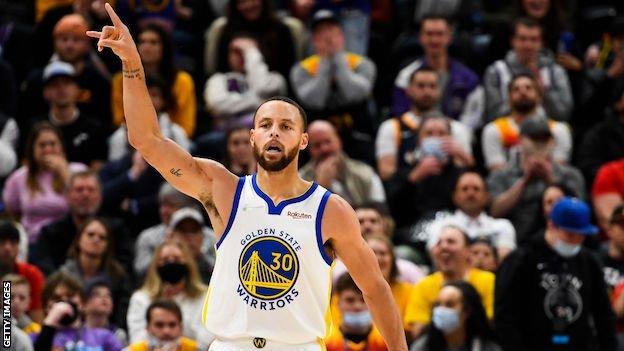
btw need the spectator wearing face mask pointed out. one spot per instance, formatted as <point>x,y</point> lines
<point>458,323</point>
<point>550,294</point>
<point>356,332</point>
<point>164,328</point>
<point>172,275</point>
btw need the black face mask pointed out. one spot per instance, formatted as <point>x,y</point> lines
<point>172,272</point>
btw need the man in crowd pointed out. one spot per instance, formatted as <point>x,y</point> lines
<point>517,189</point>
<point>397,137</point>
<point>187,225</point>
<point>550,294</point>
<point>83,139</point>
<point>613,256</point>
<point>471,199</point>
<point>169,201</point>
<point>164,326</point>
<point>425,187</point>
<point>502,134</point>
<point>335,85</point>
<point>84,197</point>
<point>450,250</point>
<point>457,82</point>
<point>527,56</point>
<point>333,169</point>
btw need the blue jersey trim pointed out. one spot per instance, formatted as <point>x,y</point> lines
<point>276,210</point>
<point>319,224</point>
<point>237,194</point>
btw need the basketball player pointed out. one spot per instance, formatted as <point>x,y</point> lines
<point>271,283</point>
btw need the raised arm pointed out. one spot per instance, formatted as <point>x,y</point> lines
<point>340,225</point>
<point>191,176</point>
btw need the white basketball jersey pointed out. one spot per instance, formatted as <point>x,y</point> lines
<point>272,276</point>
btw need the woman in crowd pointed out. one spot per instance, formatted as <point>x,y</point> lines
<point>35,192</point>
<point>458,322</point>
<point>257,17</point>
<point>156,50</point>
<point>91,259</point>
<point>171,275</point>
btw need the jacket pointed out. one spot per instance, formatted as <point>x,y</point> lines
<point>546,302</point>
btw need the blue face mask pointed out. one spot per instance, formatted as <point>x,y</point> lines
<point>566,250</point>
<point>357,319</point>
<point>446,319</point>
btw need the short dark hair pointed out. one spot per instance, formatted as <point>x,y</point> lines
<point>58,279</point>
<point>287,100</point>
<point>436,115</point>
<point>525,22</point>
<point>376,206</point>
<point>84,174</point>
<point>344,283</point>
<point>435,17</point>
<point>423,69</point>
<point>165,304</point>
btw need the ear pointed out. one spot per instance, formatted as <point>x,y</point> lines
<point>251,136</point>
<point>304,141</point>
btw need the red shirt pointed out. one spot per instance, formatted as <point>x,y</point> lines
<point>610,179</point>
<point>35,279</point>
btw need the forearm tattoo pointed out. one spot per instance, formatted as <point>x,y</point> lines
<point>132,73</point>
<point>176,172</point>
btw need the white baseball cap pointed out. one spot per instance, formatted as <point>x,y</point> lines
<point>185,213</point>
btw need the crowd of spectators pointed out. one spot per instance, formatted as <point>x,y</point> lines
<point>477,140</point>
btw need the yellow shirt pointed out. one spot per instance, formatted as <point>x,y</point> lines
<point>336,342</point>
<point>183,93</point>
<point>43,6</point>
<point>426,291</point>
<point>401,292</point>
<point>185,344</point>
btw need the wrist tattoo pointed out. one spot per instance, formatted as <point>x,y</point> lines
<point>131,73</point>
<point>176,172</point>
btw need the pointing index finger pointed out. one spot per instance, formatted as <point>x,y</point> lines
<point>114,18</point>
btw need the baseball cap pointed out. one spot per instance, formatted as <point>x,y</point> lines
<point>8,230</point>
<point>58,69</point>
<point>536,129</point>
<point>71,24</point>
<point>185,213</point>
<point>323,16</point>
<point>573,215</point>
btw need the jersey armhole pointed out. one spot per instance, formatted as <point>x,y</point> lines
<point>237,194</point>
<point>319,226</point>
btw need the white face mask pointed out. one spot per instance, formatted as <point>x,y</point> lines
<point>357,319</point>
<point>446,319</point>
<point>565,249</point>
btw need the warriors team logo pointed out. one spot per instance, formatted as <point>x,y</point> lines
<point>268,268</point>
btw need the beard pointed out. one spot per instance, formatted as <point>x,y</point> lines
<point>423,105</point>
<point>278,165</point>
<point>523,106</point>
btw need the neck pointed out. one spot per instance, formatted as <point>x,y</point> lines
<point>519,117</point>
<point>63,114</point>
<point>78,220</point>
<point>281,185</point>
<point>89,264</point>
<point>456,338</point>
<point>79,65</point>
<point>354,331</point>
<point>438,62</point>
<point>96,321</point>
<point>474,214</point>
<point>416,111</point>
<point>459,274</point>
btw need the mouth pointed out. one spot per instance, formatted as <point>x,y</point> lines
<point>273,148</point>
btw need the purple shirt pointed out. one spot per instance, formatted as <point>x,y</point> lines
<point>41,208</point>
<point>85,339</point>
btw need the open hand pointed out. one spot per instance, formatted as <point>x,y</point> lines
<point>116,37</point>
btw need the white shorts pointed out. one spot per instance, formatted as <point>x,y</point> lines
<point>260,344</point>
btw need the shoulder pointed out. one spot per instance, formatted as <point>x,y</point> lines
<point>29,271</point>
<point>18,174</point>
<point>338,216</point>
<point>481,276</point>
<point>140,297</point>
<point>429,281</point>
